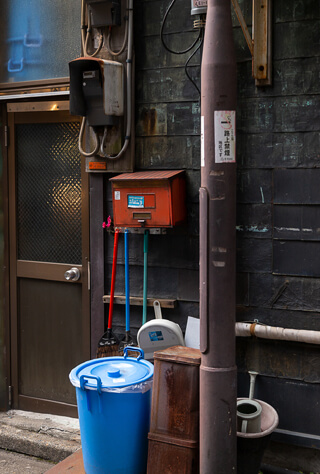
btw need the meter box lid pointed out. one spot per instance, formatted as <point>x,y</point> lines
<point>149,199</point>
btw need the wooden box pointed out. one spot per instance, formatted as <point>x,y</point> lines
<point>165,457</point>
<point>175,395</point>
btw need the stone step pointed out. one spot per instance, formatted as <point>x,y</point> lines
<point>44,436</point>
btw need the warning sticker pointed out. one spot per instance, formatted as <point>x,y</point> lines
<point>225,136</point>
<point>97,165</point>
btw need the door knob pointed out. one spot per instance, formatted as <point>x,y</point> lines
<point>73,274</point>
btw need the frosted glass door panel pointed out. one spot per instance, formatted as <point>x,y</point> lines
<point>48,175</point>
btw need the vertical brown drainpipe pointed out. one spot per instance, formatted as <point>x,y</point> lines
<point>218,440</point>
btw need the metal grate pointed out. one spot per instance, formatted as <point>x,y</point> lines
<point>48,170</point>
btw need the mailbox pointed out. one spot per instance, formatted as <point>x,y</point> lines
<point>149,199</point>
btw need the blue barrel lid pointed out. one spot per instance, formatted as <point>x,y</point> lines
<point>112,372</point>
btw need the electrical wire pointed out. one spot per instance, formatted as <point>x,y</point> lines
<point>83,25</point>
<point>97,51</point>
<point>123,47</point>
<point>162,34</point>
<point>129,90</point>
<point>189,59</point>
<point>86,36</point>
<point>96,139</point>
<point>125,40</point>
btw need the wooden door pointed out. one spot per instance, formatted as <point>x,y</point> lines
<point>48,236</point>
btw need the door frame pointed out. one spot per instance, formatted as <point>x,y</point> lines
<point>19,112</point>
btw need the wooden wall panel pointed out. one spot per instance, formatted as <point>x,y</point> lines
<point>297,186</point>
<point>254,186</point>
<point>297,222</point>
<point>278,150</point>
<point>296,258</point>
<point>254,220</point>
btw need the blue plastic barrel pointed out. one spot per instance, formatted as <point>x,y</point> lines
<point>114,403</point>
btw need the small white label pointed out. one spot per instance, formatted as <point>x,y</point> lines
<point>202,141</point>
<point>225,136</point>
<point>117,195</point>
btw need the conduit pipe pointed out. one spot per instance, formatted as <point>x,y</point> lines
<point>277,333</point>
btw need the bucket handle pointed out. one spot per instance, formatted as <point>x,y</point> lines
<point>244,426</point>
<point>137,349</point>
<point>94,377</point>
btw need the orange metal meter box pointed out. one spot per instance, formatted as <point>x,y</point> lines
<point>149,199</point>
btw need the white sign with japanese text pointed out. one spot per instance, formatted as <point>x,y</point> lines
<point>225,136</point>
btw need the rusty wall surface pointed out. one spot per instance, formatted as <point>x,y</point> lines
<point>278,276</point>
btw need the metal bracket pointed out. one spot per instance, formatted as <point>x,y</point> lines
<point>260,43</point>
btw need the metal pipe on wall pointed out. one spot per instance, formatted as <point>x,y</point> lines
<point>276,333</point>
<point>218,437</point>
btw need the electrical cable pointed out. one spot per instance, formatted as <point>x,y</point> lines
<point>108,42</point>
<point>97,51</point>
<point>162,34</point>
<point>123,47</point>
<point>88,36</point>
<point>83,25</point>
<point>129,90</point>
<point>96,139</point>
<point>85,37</point>
<point>189,59</point>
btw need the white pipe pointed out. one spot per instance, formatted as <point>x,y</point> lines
<point>253,376</point>
<point>277,333</point>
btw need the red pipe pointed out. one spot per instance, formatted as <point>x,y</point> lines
<point>218,437</point>
<point>113,276</point>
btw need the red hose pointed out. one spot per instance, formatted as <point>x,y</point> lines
<point>113,276</point>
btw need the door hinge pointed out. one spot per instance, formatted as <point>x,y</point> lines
<point>6,141</point>
<point>10,395</point>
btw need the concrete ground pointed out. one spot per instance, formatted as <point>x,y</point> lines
<point>36,443</point>
<point>16,463</point>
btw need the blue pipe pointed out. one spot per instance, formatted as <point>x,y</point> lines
<point>127,282</point>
